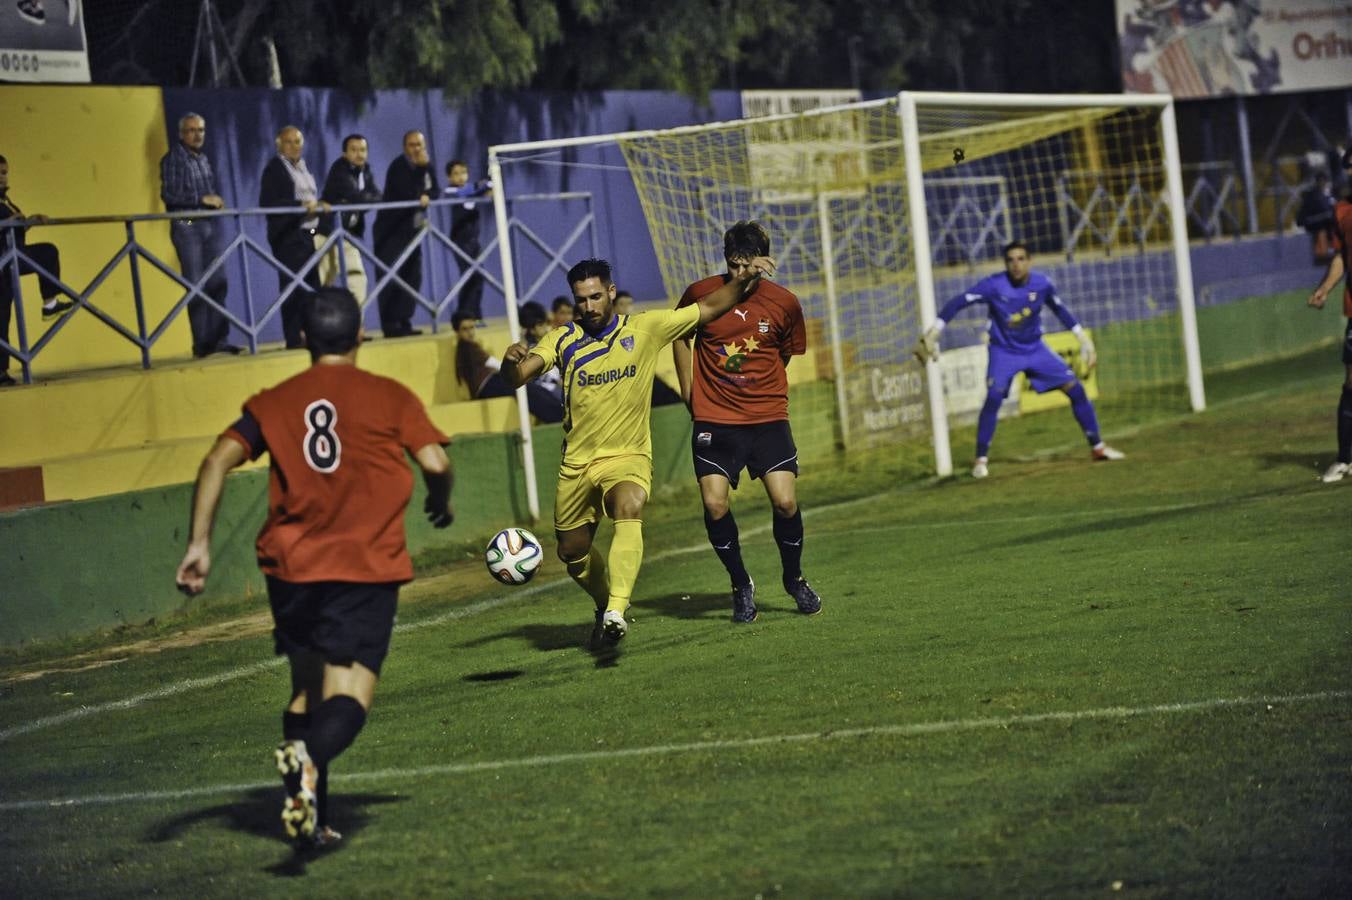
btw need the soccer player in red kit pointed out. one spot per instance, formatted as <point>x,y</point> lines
<point>332,546</point>
<point>738,394</point>
<point>1340,269</point>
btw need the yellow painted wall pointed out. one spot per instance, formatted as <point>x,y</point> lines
<point>91,151</point>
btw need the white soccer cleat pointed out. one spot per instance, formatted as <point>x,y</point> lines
<point>613,625</point>
<point>979,469</point>
<point>1104,453</point>
<point>1336,472</point>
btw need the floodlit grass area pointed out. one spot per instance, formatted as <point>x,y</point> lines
<point>1070,679</point>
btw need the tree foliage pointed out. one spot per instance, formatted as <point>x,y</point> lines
<point>692,46</point>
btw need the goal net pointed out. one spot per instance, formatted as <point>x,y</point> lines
<point>879,211</point>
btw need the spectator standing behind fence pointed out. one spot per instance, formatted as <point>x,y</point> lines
<point>188,184</point>
<point>350,181</point>
<point>409,177</point>
<point>45,255</point>
<point>288,182</point>
<point>465,231</point>
<point>1316,217</point>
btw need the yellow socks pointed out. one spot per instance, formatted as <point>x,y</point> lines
<point>590,574</point>
<point>626,555</point>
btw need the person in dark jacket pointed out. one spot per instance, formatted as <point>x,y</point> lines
<point>287,182</point>
<point>45,255</point>
<point>350,180</point>
<point>465,231</point>
<point>409,177</point>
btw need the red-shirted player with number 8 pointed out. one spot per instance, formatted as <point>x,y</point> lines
<point>738,394</point>
<point>333,546</point>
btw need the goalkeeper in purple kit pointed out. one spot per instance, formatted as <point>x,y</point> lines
<point>1015,299</point>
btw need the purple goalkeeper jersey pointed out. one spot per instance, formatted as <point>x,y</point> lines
<point>1015,312</point>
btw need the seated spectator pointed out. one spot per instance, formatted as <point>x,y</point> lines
<point>350,181</point>
<point>535,324</point>
<point>624,303</point>
<point>288,182</point>
<point>562,310</point>
<point>477,370</point>
<point>45,255</point>
<point>1316,217</point>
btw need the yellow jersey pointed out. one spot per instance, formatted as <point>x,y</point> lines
<point>608,380</point>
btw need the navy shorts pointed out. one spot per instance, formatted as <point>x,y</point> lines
<point>727,449</point>
<point>1045,370</point>
<point>1347,344</point>
<point>341,621</point>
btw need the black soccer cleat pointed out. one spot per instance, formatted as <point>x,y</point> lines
<point>808,601</point>
<point>744,603</point>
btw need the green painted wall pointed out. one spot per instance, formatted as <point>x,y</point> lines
<point>75,568</point>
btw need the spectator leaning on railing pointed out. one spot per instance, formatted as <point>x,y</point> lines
<point>409,177</point>
<point>288,182</point>
<point>188,183</point>
<point>45,255</point>
<point>350,181</point>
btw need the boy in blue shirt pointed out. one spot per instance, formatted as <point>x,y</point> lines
<point>1015,299</point>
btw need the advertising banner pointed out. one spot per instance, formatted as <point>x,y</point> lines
<point>42,41</point>
<point>1215,48</point>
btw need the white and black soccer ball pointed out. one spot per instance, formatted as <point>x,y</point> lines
<point>513,556</point>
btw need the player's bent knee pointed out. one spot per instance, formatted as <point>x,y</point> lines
<point>716,509</point>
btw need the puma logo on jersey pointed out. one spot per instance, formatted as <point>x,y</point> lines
<point>740,312</point>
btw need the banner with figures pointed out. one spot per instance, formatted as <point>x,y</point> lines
<point>43,41</point>
<point>1214,48</point>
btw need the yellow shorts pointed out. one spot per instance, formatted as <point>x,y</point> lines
<point>582,488</point>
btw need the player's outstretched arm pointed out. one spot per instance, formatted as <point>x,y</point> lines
<point>681,356</point>
<point>1331,277</point>
<point>439,477</point>
<point>519,365</point>
<point>191,576</point>
<point>726,297</point>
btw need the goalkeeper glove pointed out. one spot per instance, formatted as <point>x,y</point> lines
<point>927,348</point>
<point>1088,355</point>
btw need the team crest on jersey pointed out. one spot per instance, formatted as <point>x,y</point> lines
<point>1032,295</point>
<point>627,342</point>
<point>704,439</point>
<point>763,326</point>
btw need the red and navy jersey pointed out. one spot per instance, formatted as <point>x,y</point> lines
<point>339,480</point>
<point>739,376</point>
<point>1342,242</point>
<point>1015,310</point>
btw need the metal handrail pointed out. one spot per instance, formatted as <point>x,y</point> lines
<point>146,334</point>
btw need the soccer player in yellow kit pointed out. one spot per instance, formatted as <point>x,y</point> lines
<point>607,362</point>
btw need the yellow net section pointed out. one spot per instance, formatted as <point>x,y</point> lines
<point>1083,187</point>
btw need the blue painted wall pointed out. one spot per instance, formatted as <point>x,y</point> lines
<point>241,124</point>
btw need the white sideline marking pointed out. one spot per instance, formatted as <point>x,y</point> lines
<point>182,687</point>
<point>913,730</point>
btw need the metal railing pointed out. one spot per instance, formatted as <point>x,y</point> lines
<point>243,249</point>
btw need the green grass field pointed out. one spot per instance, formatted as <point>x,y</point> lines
<point>1067,680</point>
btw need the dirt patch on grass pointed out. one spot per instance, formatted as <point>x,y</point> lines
<point>459,583</point>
